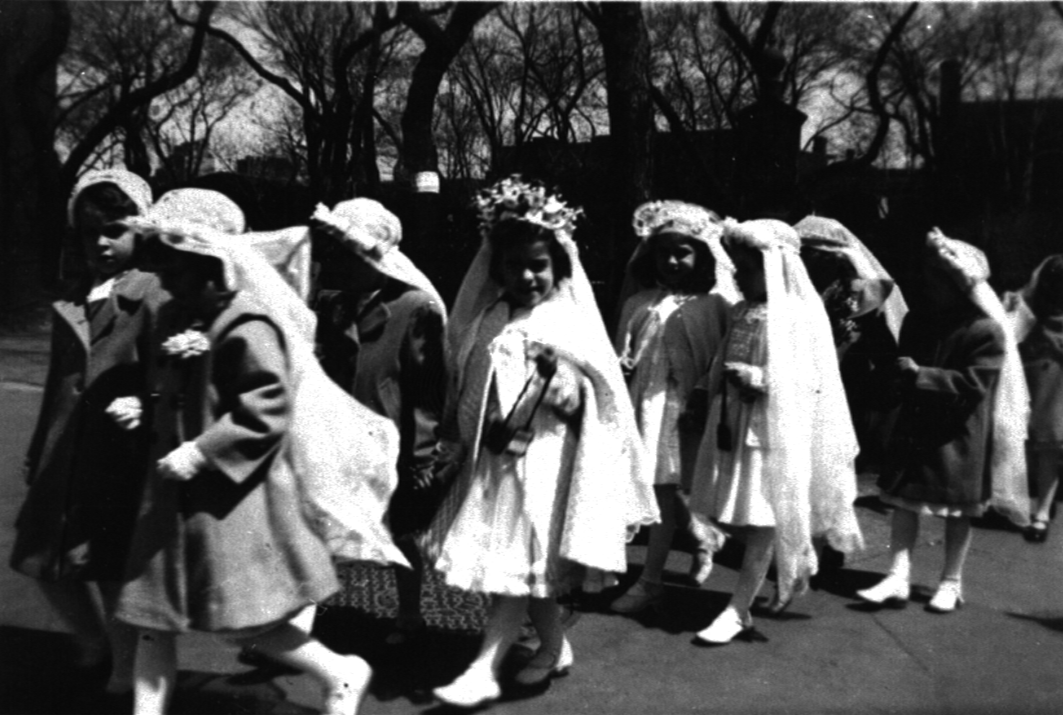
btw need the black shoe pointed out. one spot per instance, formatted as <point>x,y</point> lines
<point>1036,532</point>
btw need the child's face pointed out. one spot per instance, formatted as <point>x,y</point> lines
<point>675,258</point>
<point>108,246</point>
<point>528,273</point>
<point>749,272</point>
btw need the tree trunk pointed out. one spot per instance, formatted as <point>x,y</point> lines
<point>626,50</point>
<point>32,211</point>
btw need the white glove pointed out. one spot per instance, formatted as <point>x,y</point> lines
<point>126,412</point>
<point>183,463</point>
<point>564,391</point>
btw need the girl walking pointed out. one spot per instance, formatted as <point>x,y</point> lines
<point>669,332</point>
<point>552,477</point>
<point>948,441</point>
<point>83,470</point>
<point>235,535</point>
<point>775,466</point>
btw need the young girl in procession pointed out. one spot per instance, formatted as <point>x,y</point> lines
<point>668,334</point>
<point>1040,332</point>
<point>83,470</point>
<point>775,466</point>
<point>552,480</point>
<point>381,339</point>
<point>957,442</point>
<point>266,469</point>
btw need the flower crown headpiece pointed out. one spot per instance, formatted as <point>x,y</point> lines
<point>528,201</point>
<point>965,261</point>
<point>676,216</point>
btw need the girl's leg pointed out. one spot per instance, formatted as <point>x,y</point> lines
<point>545,616</point>
<point>479,683</point>
<point>895,588</point>
<point>344,678</point>
<point>155,672</point>
<point>554,656</point>
<point>648,589</point>
<point>949,593</point>
<point>73,602</point>
<point>123,641</point>
<point>755,564</point>
<point>408,585</point>
<point>707,537</point>
<point>904,530</point>
<point>1045,466</point>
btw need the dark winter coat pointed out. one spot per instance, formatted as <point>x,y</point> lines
<point>228,549</point>
<point>84,472</point>
<point>940,449</point>
<point>387,352</point>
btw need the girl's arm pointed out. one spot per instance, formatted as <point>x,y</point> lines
<point>979,358</point>
<point>424,385</point>
<point>251,376</point>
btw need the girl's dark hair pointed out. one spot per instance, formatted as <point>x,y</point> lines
<point>513,232</point>
<point>644,269</point>
<point>108,199</point>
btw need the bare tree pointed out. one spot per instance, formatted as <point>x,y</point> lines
<point>123,56</point>
<point>327,58</point>
<point>186,118</point>
<point>32,37</point>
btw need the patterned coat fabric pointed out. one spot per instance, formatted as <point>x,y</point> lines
<point>83,471</point>
<point>941,446</point>
<point>229,549</point>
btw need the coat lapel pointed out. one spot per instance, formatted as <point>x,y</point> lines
<point>74,315</point>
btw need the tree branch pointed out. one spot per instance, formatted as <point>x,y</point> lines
<point>130,102</point>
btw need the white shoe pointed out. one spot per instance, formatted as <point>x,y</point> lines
<point>471,690</point>
<point>947,598</point>
<point>727,626</point>
<point>891,591</point>
<point>347,697</point>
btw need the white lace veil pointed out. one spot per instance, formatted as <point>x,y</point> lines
<point>343,453</point>
<point>603,499</point>
<point>698,223</point>
<point>829,235</point>
<point>1011,409</point>
<point>288,251</point>
<point>811,445</point>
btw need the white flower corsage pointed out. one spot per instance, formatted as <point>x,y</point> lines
<point>189,344</point>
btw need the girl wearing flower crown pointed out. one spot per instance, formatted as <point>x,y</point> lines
<point>957,443</point>
<point>235,535</point>
<point>668,334</point>
<point>551,474</point>
<point>83,470</point>
<point>775,466</point>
